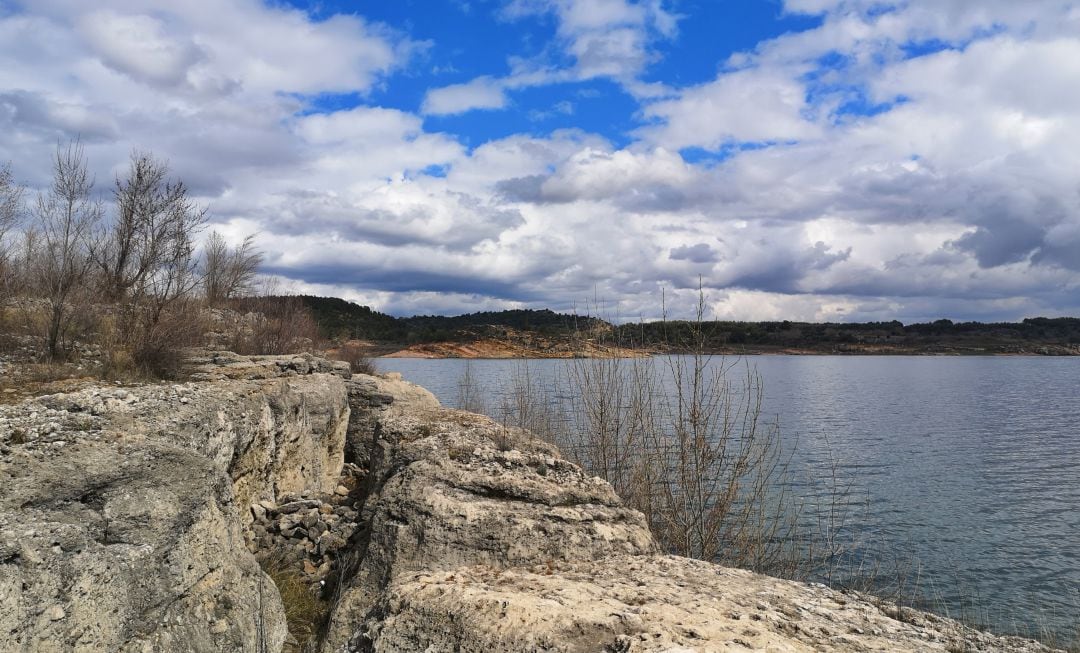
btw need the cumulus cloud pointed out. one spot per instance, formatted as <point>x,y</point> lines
<point>603,37</point>
<point>480,93</point>
<point>594,39</point>
<point>908,161</point>
<point>752,105</point>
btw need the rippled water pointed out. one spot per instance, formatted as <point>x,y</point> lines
<point>971,465</point>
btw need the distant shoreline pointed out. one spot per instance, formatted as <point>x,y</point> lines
<point>445,351</point>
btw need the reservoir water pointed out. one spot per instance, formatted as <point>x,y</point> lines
<point>970,465</point>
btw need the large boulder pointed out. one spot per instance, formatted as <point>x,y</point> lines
<point>450,489</point>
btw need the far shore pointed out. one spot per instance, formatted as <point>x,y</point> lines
<point>449,351</point>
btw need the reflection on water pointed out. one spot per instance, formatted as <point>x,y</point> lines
<point>971,464</point>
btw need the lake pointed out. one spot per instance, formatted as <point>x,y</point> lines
<point>971,465</point>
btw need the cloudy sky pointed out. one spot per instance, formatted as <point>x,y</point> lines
<point>804,159</point>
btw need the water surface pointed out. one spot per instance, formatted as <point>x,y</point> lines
<point>971,465</point>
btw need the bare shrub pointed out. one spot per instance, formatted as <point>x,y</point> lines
<point>57,243</point>
<point>469,395</point>
<point>529,404</point>
<point>228,273</point>
<point>612,404</point>
<point>353,354</point>
<point>146,272</point>
<point>274,325</point>
<point>10,213</point>
<point>158,351</point>
<point>148,246</point>
<point>684,439</point>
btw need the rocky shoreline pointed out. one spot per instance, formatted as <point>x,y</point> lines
<point>136,519</point>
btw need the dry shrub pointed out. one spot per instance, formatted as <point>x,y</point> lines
<point>10,326</point>
<point>469,395</point>
<point>136,342</point>
<point>353,354</point>
<point>274,325</point>
<point>158,350</point>
<point>684,440</point>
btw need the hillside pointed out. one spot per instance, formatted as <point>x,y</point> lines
<point>545,333</point>
<point>1046,336</point>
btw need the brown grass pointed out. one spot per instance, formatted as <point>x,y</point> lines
<point>306,613</point>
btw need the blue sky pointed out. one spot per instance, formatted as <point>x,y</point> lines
<point>800,159</point>
<point>467,40</point>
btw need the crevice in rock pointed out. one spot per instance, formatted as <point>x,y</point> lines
<point>312,544</point>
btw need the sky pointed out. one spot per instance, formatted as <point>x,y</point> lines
<point>821,160</point>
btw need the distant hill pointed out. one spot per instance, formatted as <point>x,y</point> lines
<point>339,319</point>
<point>1033,335</point>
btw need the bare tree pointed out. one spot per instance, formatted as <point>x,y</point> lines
<point>63,220</point>
<point>148,247</point>
<point>228,272</point>
<point>10,211</point>
<point>147,265</point>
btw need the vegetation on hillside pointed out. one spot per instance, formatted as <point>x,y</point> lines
<point>340,319</point>
<point>873,337</point>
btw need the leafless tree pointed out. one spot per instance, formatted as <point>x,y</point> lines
<point>10,211</point>
<point>228,272</point>
<point>149,245</point>
<point>64,218</point>
<point>146,265</point>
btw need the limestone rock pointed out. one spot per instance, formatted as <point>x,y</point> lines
<point>450,489</point>
<point>650,603</point>
<point>122,510</point>
<point>480,538</point>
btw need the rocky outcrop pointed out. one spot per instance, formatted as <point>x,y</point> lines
<point>134,519</point>
<point>449,489</point>
<point>123,511</point>
<point>650,603</point>
<point>480,538</point>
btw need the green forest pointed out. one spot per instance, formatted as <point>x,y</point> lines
<point>339,319</point>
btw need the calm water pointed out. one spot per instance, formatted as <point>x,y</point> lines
<point>971,465</point>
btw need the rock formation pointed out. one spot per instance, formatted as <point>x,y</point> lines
<point>134,519</point>
<point>123,510</point>
<point>481,538</point>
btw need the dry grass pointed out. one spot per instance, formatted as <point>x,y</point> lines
<point>306,612</point>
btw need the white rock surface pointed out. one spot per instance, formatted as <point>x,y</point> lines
<point>122,509</point>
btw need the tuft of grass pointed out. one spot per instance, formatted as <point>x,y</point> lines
<point>306,612</point>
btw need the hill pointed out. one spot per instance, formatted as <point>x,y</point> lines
<point>529,332</point>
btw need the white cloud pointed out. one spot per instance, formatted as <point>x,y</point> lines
<point>480,93</point>
<point>138,45</point>
<point>602,38</point>
<point>751,105</point>
<point>961,184</point>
